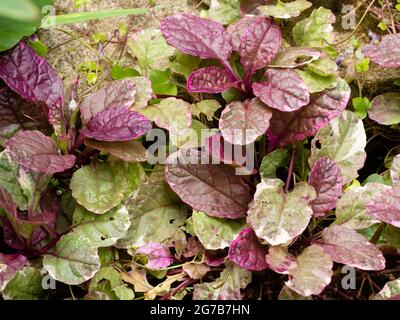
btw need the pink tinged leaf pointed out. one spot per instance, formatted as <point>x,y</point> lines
<point>158,256</point>
<point>259,44</point>
<point>117,124</point>
<point>210,80</point>
<point>213,260</point>
<point>385,108</point>
<point>243,122</point>
<point>349,247</point>
<point>280,260</point>
<point>9,265</point>
<point>312,273</point>
<point>196,36</point>
<point>283,90</point>
<point>237,29</point>
<point>213,189</point>
<point>295,57</point>
<point>386,53</point>
<point>395,169</point>
<point>247,251</point>
<point>326,179</point>
<point>37,152</point>
<point>385,206</point>
<point>31,76</point>
<point>120,93</point>
<point>323,107</point>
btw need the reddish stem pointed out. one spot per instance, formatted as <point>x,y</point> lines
<point>290,172</point>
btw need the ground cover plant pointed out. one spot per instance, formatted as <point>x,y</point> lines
<point>234,150</point>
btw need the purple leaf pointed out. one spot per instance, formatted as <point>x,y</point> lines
<point>17,113</point>
<point>158,256</point>
<point>31,76</point>
<point>259,44</point>
<point>386,53</point>
<point>213,260</point>
<point>347,246</point>
<point>326,179</point>
<point>10,265</point>
<point>117,124</point>
<point>210,80</point>
<point>37,152</point>
<point>237,29</point>
<point>214,189</point>
<point>385,206</point>
<point>280,260</point>
<point>119,93</point>
<point>219,148</point>
<point>243,122</point>
<point>247,251</point>
<point>283,90</point>
<point>196,36</point>
<point>298,125</point>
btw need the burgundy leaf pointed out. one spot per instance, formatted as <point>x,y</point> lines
<point>196,36</point>
<point>326,179</point>
<point>386,53</point>
<point>247,251</point>
<point>17,113</point>
<point>37,152</point>
<point>283,90</point>
<point>117,124</point>
<point>243,122</point>
<point>237,29</point>
<point>10,265</point>
<point>31,76</point>
<point>347,246</point>
<point>259,44</point>
<point>385,206</point>
<point>213,259</point>
<point>214,189</point>
<point>119,93</point>
<point>298,125</point>
<point>210,80</point>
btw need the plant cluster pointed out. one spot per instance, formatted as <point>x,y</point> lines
<point>88,200</point>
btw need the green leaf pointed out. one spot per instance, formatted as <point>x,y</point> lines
<point>150,49</point>
<point>78,17</point>
<point>382,26</point>
<point>185,64</point>
<point>40,48</point>
<point>323,67</point>
<point>161,82</point>
<point>344,141</point>
<point>361,106</point>
<point>9,180</point>
<point>101,230</point>
<point>392,236</point>
<point>101,186</point>
<point>317,83</point>
<point>223,11</point>
<point>195,136</point>
<point>272,161</point>
<point>12,31</point>
<point>231,95</point>
<point>118,72</point>
<point>109,281</point>
<point>26,285</point>
<point>207,107</point>
<point>285,10</point>
<point>144,92</point>
<point>156,213</point>
<point>363,65</point>
<point>73,261</point>
<point>215,233</point>
<point>316,30</point>
<point>277,217</point>
<point>21,10</point>
<point>390,289</point>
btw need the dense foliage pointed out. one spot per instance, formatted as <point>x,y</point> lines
<point>254,189</point>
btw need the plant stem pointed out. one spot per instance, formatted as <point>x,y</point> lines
<point>377,234</point>
<point>183,285</point>
<point>290,171</point>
